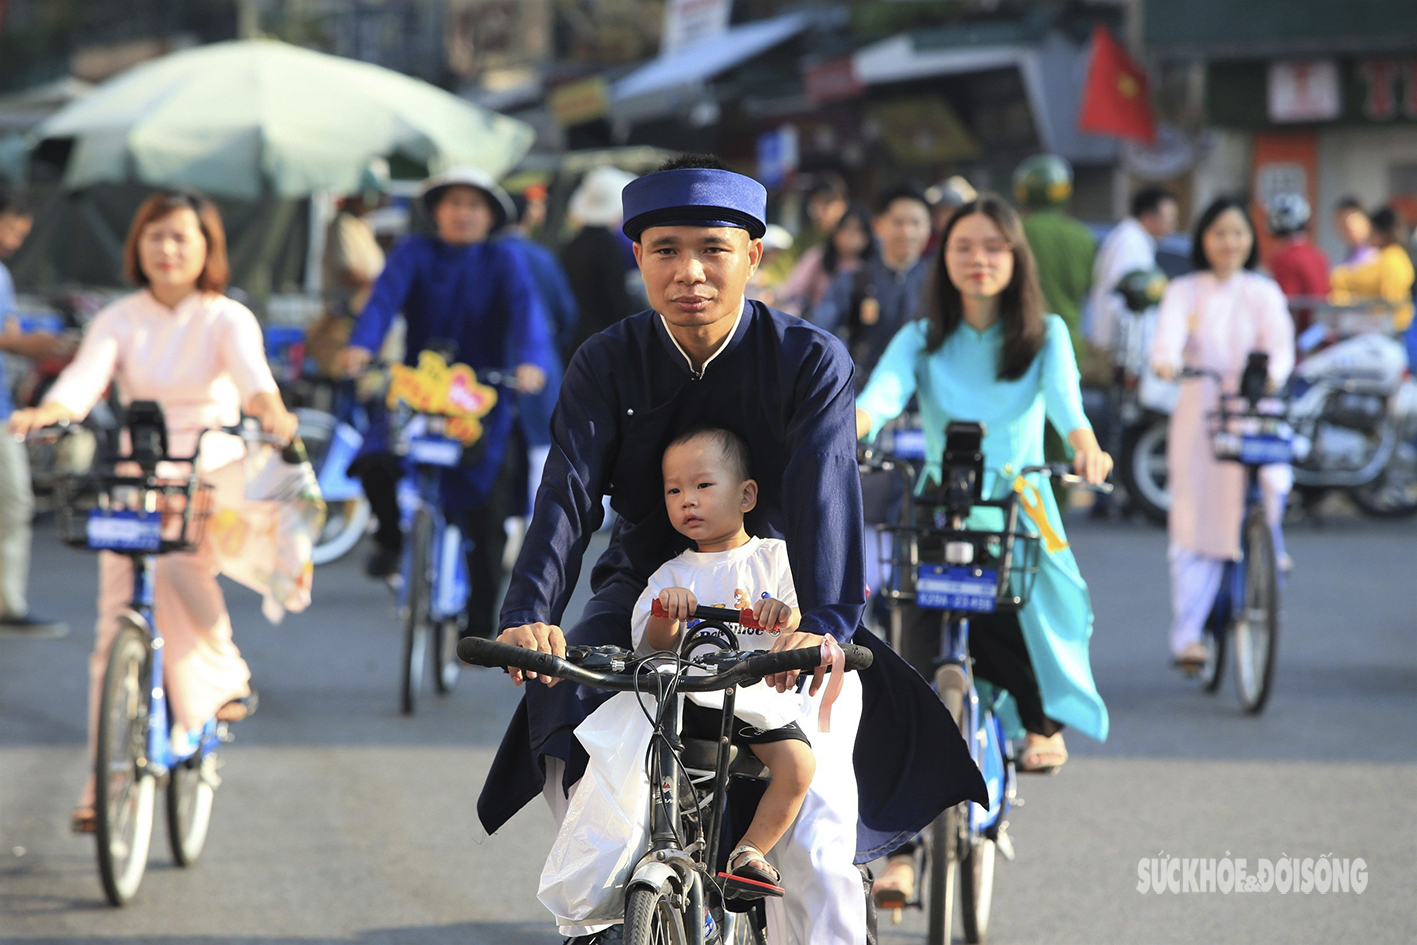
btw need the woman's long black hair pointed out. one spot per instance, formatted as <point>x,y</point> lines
<point>1020,304</point>
<point>859,215</point>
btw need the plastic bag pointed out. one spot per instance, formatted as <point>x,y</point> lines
<point>266,542</point>
<point>604,833</point>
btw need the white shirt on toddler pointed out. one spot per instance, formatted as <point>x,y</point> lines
<point>734,579</point>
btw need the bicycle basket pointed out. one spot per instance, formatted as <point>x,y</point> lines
<point>1253,435</point>
<point>423,439</point>
<point>134,514</point>
<point>974,570</point>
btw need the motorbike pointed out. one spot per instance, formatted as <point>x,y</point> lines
<point>1354,412</point>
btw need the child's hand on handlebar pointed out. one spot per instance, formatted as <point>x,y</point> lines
<point>795,641</point>
<point>773,615</point>
<point>679,603</point>
<point>542,637</point>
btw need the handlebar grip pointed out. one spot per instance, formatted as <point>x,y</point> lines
<point>858,657</point>
<point>480,652</point>
<point>804,659</point>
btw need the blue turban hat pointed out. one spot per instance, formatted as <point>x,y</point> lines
<point>695,196</point>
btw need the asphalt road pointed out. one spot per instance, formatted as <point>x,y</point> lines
<point>341,821</point>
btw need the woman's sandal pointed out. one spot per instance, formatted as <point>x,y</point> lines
<point>239,709</point>
<point>1044,757</point>
<point>83,820</point>
<point>896,885</point>
<point>750,875</point>
<point>1192,659</point>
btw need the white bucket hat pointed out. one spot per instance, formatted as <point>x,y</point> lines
<point>432,188</point>
<point>596,202</point>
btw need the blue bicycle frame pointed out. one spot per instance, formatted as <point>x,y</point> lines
<point>336,484</point>
<point>163,754</point>
<point>430,455</point>
<point>989,746</point>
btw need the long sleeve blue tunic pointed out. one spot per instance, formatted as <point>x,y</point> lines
<point>787,388</point>
<point>482,299</point>
<point>959,381</point>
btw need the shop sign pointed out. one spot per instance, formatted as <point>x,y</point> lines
<point>1306,90</point>
<point>832,80</point>
<point>688,21</point>
<point>1389,88</point>
<point>777,156</point>
<point>578,102</point>
<point>1173,154</point>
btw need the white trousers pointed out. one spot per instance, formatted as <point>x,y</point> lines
<point>1195,580</point>
<point>16,511</point>
<point>825,902</point>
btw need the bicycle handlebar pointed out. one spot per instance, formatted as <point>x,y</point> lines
<point>480,652</point>
<point>65,428</point>
<point>744,617</point>
<point>1064,474</point>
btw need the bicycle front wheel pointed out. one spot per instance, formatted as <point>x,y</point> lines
<point>190,792</point>
<point>652,918</point>
<point>976,887</point>
<point>345,524</point>
<point>951,683</point>
<point>944,867</point>
<point>1213,669</point>
<point>124,790</point>
<point>416,607</point>
<point>446,665</point>
<point>1256,628</point>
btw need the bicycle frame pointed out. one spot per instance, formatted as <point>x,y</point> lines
<point>665,851</point>
<point>449,563</point>
<point>162,753</point>
<point>989,747</point>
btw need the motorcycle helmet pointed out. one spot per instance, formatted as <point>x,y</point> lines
<point>1043,181</point>
<point>1287,213</point>
<point>1142,288</point>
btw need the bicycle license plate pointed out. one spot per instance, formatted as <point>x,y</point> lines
<point>909,444</point>
<point>1261,450</point>
<point>124,530</point>
<point>939,587</point>
<point>434,451</point>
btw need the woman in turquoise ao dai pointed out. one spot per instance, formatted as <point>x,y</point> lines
<point>985,351</point>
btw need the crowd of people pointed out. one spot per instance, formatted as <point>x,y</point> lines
<point>657,366</point>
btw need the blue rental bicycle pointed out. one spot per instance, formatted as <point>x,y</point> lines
<point>434,592</point>
<point>124,506</point>
<point>943,561</point>
<point>1250,428</point>
<point>333,438</point>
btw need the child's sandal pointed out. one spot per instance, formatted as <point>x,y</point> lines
<point>750,875</point>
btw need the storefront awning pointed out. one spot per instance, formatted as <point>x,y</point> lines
<point>672,83</point>
<point>1052,69</point>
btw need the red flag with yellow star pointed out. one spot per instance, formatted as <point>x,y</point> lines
<point>1115,101</point>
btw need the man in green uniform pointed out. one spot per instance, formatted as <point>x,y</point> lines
<point>1064,249</point>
